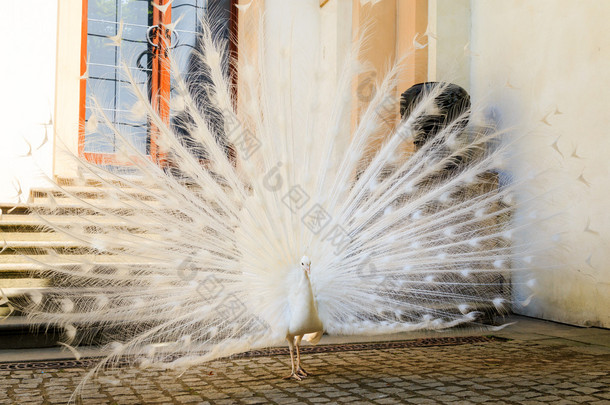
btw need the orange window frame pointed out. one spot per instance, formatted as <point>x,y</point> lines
<point>161,78</point>
<point>160,82</point>
<point>160,86</point>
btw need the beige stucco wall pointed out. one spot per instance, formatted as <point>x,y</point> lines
<point>67,81</point>
<point>542,66</point>
<point>292,36</point>
<point>449,41</point>
<point>27,81</point>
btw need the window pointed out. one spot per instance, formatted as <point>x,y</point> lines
<point>136,33</point>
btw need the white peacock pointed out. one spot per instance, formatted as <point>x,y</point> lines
<point>206,255</point>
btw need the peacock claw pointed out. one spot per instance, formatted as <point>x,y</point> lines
<point>294,376</point>
<point>301,372</point>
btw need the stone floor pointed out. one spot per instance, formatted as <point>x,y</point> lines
<point>542,363</point>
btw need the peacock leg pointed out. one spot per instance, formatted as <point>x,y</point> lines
<point>291,346</point>
<point>300,371</point>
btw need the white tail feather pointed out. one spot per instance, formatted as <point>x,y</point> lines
<point>204,249</point>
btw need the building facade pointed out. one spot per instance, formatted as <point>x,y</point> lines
<point>539,67</point>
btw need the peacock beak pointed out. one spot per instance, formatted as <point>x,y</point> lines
<point>308,269</point>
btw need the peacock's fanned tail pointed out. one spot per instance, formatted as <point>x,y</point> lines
<point>190,259</point>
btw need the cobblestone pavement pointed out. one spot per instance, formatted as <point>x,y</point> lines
<point>496,372</point>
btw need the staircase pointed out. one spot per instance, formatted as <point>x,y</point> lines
<point>26,243</point>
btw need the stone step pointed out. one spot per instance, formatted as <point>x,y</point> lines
<point>88,192</point>
<point>42,286</point>
<point>14,287</point>
<point>21,240</point>
<point>14,209</point>
<point>16,221</point>
<point>64,202</point>
<point>51,240</point>
<point>26,209</point>
<point>94,182</point>
<point>74,207</point>
<point>19,263</point>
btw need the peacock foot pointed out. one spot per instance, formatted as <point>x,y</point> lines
<point>301,372</point>
<point>294,376</point>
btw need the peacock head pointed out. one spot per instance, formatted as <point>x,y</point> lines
<point>306,264</point>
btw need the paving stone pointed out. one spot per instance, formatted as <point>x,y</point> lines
<point>387,401</point>
<point>582,399</point>
<point>586,390</point>
<point>513,372</point>
<point>423,401</point>
<point>254,400</point>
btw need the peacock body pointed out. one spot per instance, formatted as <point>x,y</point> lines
<point>415,233</point>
